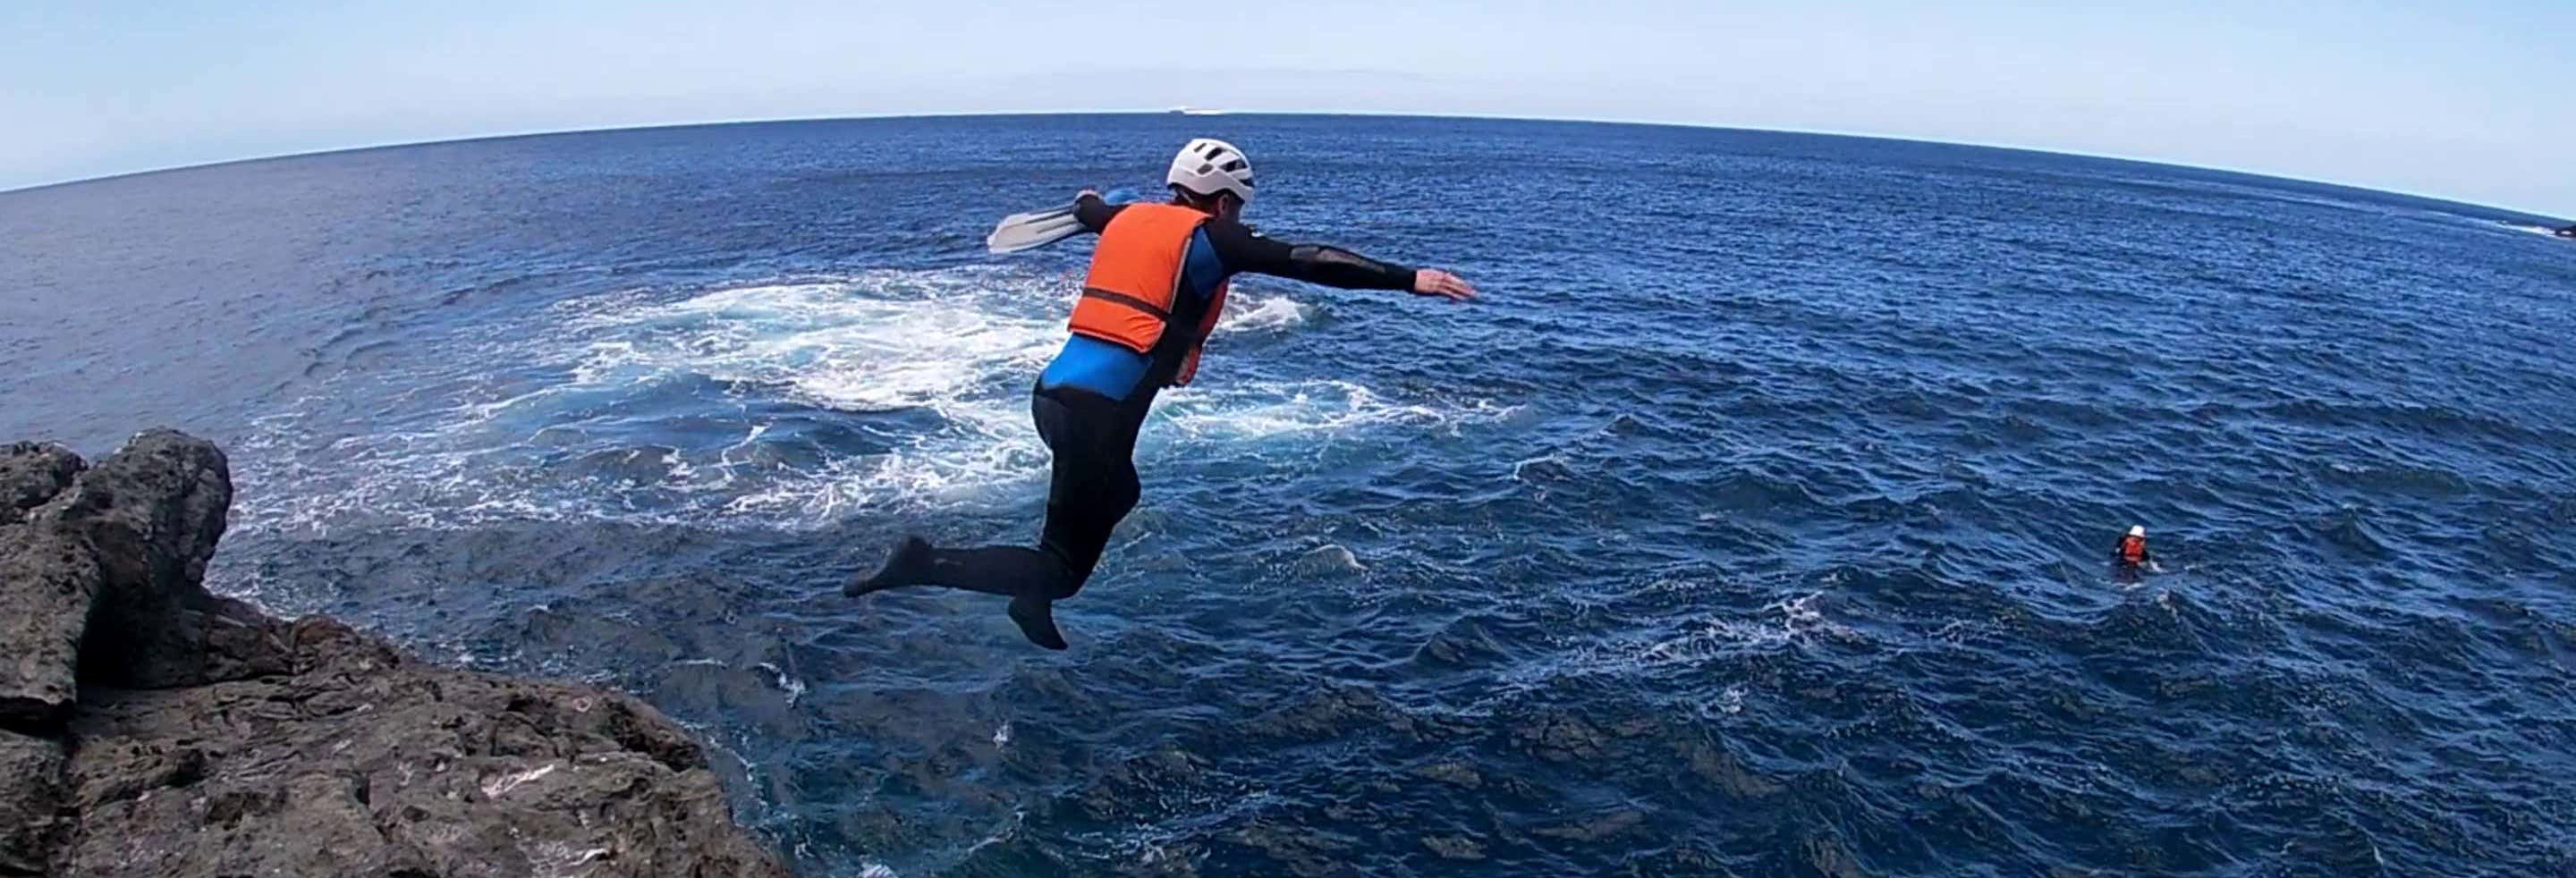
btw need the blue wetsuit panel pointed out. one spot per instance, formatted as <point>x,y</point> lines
<point>1112,370</point>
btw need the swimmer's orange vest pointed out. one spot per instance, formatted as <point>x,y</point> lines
<point>1136,277</point>
<point>2133,549</point>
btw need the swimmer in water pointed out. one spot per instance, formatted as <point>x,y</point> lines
<point>2132,555</point>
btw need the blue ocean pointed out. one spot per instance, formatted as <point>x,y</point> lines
<point>1757,521</point>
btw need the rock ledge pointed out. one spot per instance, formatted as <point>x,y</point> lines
<point>148,727</point>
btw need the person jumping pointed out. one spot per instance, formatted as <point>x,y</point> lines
<point>1156,286</point>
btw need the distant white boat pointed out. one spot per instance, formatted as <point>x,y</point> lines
<point>1197,111</point>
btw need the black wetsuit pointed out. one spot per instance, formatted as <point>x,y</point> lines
<point>1089,405</point>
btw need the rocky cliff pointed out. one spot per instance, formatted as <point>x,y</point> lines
<point>148,727</point>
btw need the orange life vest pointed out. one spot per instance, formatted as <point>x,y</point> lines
<point>1135,278</point>
<point>2133,549</point>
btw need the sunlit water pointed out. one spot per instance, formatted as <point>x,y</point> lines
<point>1755,524</point>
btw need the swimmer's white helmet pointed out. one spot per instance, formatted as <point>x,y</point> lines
<point>2138,530</point>
<point>1208,166</point>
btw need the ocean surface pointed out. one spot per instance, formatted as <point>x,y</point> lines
<point>1757,521</point>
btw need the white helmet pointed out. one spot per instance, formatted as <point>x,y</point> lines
<point>2138,530</point>
<point>1208,166</point>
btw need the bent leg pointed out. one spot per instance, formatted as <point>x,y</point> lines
<point>1082,516</point>
<point>1025,575</point>
<point>1009,571</point>
<point>1093,485</point>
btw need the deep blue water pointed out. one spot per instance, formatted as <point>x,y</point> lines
<point>1755,523</point>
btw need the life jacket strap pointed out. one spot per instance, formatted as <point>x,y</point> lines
<point>1120,298</point>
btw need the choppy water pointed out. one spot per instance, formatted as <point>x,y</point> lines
<point>1755,524</point>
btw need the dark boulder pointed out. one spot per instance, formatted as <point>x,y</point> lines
<point>31,775</point>
<point>32,473</point>
<point>153,513</point>
<point>48,580</point>
<point>384,766</point>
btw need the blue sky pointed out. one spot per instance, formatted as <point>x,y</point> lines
<point>2473,100</point>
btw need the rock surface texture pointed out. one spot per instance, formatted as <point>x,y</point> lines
<point>148,727</point>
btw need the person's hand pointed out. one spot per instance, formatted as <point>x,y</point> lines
<point>1434,282</point>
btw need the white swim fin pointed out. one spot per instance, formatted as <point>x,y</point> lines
<point>1032,230</point>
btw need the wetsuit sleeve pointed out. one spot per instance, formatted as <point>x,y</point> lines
<point>1244,250</point>
<point>1093,213</point>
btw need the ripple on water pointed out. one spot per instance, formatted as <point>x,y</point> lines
<point>1775,550</point>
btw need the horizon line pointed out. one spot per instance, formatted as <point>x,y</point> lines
<point>1655,123</point>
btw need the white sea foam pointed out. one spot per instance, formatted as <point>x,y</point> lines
<point>794,688</point>
<point>1248,314</point>
<point>1270,409</point>
<point>830,343</point>
<point>1780,623</point>
<point>559,418</point>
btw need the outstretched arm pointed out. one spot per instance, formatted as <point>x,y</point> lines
<point>1242,250</point>
<point>1094,213</point>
